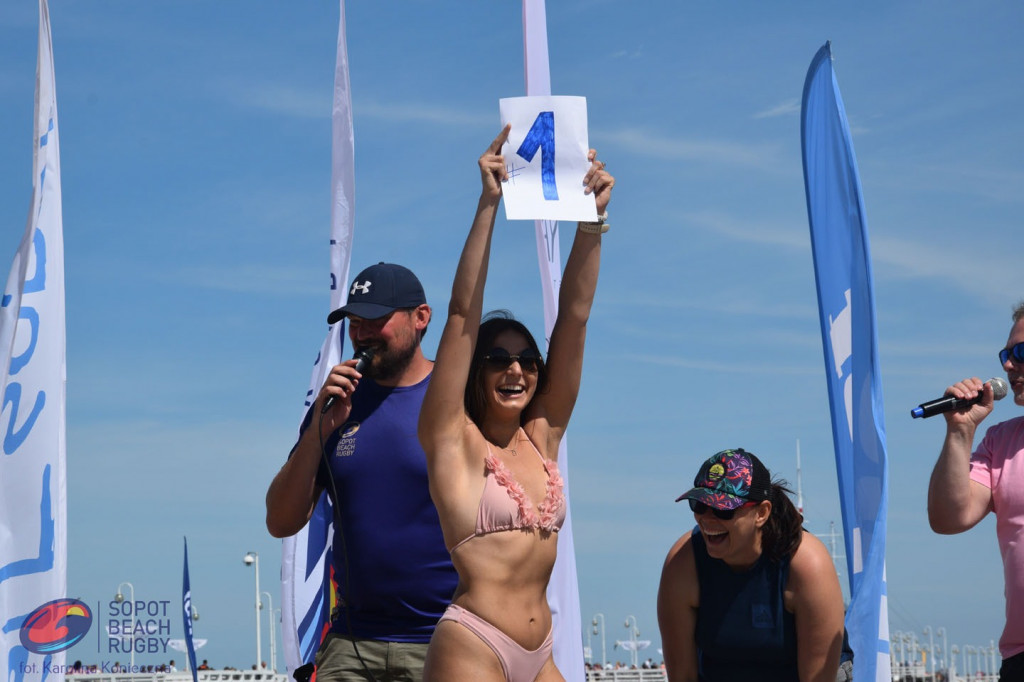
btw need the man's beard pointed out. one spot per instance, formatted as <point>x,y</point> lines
<point>388,363</point>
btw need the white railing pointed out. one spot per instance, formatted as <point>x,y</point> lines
<point>101,675</point>
<point>901,672</point>
<point>626,675</point>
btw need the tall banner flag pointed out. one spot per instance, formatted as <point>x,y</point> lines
<point>186,605</point>
<point>842,268</point>
<point>563,589</point>
<point>33,489</point>
<point>306,561</point>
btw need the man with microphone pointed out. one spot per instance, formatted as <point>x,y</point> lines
<point>965,487</point>
<point>358,441</point>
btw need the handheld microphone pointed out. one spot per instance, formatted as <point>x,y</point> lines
<point>948,403</point>
<point>363,357</point>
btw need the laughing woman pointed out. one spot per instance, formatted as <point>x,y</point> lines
<point>748,594</point>
<point>491,423</point>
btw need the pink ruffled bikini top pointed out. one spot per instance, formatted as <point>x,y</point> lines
<point>505,506</point>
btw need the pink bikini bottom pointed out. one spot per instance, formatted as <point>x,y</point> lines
<point>519,664</point>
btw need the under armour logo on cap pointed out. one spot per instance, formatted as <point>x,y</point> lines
<point>380,290</point>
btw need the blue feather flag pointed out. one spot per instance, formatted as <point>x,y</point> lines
<point>842,268</point>
<point>186,605</point>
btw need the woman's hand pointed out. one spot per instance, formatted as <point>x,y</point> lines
<point>492,166</point>
<point>597,181</point>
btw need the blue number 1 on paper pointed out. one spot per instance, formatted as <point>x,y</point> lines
<point>542,137</point>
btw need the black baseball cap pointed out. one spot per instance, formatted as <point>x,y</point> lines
<point>379,290</point>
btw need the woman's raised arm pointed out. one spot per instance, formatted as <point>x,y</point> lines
<point>575,298</point>
<point>443,416</point>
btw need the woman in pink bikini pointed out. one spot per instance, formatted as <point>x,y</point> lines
<point>491,423</point>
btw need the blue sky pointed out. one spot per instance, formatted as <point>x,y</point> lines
<point>195,141</point>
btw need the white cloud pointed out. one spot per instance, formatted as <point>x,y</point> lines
<point>676,360</point>
<point>310,103</point>
<point>973,268</point>
<point>250,278</point>
<point>634,53</point>
<point>760,156</point>
<point>970,265</point>
<point>316,103</point>
<point>743,229</point>
<point>791,106</point>
<point>964,177</point>
<point>423,113</point>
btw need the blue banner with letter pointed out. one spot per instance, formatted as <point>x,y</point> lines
<point>33,484</point>
<point>307,557</point>
<point>842,268</point>
<point>186,605</point>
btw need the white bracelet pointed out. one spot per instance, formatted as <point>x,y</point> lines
<point>599,227</point>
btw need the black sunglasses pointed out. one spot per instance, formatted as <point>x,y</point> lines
<point>1017,352</point>
<point>499,358</point>
<point>724,514</point>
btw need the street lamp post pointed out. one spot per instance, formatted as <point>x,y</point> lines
<point>931,649</point>
<point>910,639</point>
<point>597,616</point>
<point>276,613</point>
<point>253,559</point>
<point>272,623</point>
<point>119,597</point>
<point>634,632</point>
<point>945,650</point>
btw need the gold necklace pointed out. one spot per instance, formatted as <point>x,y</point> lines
<point>515,441</point>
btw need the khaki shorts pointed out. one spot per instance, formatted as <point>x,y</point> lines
<point>337,661</point>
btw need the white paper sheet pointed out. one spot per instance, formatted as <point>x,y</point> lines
<point>546,158</point>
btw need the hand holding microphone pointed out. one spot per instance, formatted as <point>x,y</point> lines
<point>363,357</point>
<point>948,403</point>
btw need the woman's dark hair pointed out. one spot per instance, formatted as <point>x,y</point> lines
<point>494,323</point>
<point>781,534</point>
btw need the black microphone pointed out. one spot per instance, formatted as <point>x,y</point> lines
<point>948,403</point>
<point>363,357</point>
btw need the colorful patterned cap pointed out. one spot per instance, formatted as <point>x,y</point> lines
<point>730,479</point>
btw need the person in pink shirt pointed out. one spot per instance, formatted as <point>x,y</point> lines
<point>965,487</point>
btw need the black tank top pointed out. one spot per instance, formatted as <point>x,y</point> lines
<point>743,630</point>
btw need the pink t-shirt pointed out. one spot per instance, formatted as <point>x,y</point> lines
<point>998,464</point>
